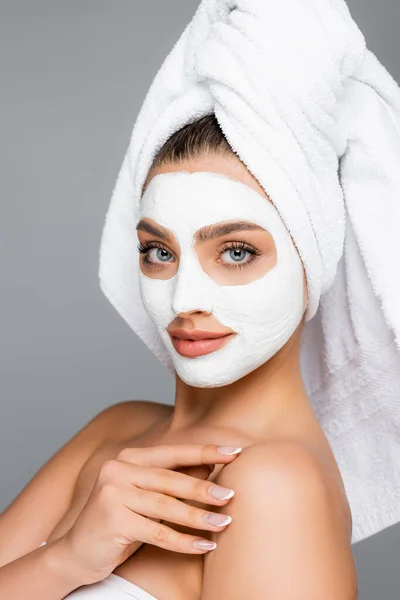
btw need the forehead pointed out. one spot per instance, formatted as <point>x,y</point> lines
<point>184,202</point>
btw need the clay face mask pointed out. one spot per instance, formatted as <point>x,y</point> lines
<point>264,313</point>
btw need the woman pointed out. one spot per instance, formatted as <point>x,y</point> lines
<point>289,513</point>
<point>227,280</point>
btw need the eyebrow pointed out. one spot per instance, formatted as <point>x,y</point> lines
<point>153,230</point>
<point>210,232</point>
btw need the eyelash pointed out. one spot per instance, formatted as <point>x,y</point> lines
<point>238,245</point>
<point>145,248</point>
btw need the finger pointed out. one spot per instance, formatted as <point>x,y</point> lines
<point>160,506</point>
<point>175,456</point>
<point>160,535</point>
<point>171,483</point>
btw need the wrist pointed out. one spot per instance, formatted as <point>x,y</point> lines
<point>59,563</point>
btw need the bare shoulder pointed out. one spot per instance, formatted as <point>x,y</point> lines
<point>291,467</point>
<point>283,466</point>
<point>287,517</point>
<point>48,495</point>
<point>131,418</point>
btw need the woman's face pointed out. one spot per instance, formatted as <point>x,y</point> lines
<point>220,276</point>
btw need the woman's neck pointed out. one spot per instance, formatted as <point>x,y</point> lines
<point>269,401</point>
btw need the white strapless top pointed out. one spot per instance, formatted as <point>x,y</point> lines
<point>112,587</point>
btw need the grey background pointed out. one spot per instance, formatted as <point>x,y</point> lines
<point>73,76</point>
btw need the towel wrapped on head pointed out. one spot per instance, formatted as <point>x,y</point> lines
<point>315,117</point>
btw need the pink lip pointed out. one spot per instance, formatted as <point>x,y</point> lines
<point>197,342</point>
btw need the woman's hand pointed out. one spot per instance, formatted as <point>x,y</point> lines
<point>130,497</point>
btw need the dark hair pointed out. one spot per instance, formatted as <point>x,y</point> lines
<point>201,137</point>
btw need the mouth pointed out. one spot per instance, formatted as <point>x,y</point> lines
<point>196,342</point>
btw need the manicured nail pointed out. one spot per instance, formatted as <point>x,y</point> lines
<point>217,519</point>
<point>229,449</point>
<point>221,493</point>
<point>204,545</point>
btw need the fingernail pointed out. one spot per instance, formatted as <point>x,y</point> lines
<point>221,493</point>
<point>229,449</point>
<point>218,519</point>
<point>204,545</point>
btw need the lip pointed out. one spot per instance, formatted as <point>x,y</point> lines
<point>196,342</point>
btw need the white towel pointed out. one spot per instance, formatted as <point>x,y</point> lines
<point>316,118</point>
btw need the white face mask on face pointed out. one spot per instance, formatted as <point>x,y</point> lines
<point>264,313</point>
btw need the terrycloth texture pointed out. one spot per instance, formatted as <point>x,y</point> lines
<point>316,118</point>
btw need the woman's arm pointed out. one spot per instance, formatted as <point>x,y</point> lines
<point>44,574</point>
<point>289,537</point>
<point>34,513</point>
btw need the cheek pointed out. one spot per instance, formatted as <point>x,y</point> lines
<point>156,297</point>
<point>274,301</point>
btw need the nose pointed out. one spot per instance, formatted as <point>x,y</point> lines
<point>191,293</point>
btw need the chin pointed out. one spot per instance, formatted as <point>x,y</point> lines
<point>223,367</point>
<point>200,383</point>
<point>206,375</point>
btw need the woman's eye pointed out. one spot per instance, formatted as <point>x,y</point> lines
<point>157,255</point>
<point>236,255</point>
